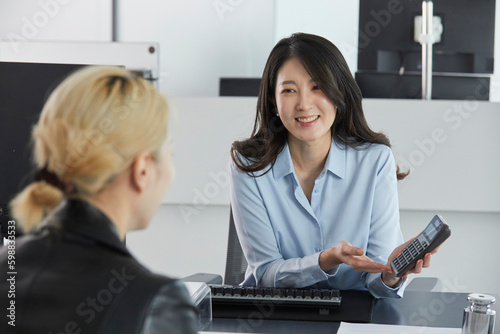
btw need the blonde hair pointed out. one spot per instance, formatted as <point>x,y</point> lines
<point>91,128</point>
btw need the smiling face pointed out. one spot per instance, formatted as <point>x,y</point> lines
<point>306,112</point>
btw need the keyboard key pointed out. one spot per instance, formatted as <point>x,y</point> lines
<point>308,294</point>
<point>237,291</point>
<point>250,292</point>
<point>277,293</point>
<point>219,291</point>
<point>299,294</point>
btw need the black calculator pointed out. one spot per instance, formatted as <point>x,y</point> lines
<point>434,235</point>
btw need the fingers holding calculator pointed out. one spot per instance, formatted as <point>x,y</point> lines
<point>421,247</point>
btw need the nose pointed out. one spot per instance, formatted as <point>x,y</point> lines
<point>304,102</point>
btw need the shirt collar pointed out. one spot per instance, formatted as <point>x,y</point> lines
<point>335,162</point>
<point>283,165</point>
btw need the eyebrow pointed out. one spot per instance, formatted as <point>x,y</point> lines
<point>291,82</point>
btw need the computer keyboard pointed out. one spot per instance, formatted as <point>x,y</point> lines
<point>291,304</point>
<point>238,295</point>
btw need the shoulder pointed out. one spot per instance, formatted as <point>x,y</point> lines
<point>151,304</point>
<point>371,151</point>
<point>172,292</point>
<point>159,304</point>
<point>236,169</point>
<point>171,310</point>
<point>148,299</point>
<point>370,159</point>
<point>240,159</point>
<point>371,148</point>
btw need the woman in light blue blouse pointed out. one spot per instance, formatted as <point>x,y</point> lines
<point>313,190</point>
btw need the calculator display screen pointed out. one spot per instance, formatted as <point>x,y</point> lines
<point>432,229</point>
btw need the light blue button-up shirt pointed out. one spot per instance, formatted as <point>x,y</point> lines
<point>282,234</point>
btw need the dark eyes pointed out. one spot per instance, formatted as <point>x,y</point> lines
<point>290,90</point>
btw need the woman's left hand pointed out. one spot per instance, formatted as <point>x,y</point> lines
<point>390,279</point>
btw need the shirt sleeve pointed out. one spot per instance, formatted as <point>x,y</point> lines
<point>385,232</point>
<point>266,265</point>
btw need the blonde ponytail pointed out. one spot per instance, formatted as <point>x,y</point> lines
<point>91,128</point>
<point>30,206</point>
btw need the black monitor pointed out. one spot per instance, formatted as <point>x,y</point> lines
<point>24,88</point>
<point>239,86</point>
<point>462,60</point>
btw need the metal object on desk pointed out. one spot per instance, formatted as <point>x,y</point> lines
<point>479,318</point>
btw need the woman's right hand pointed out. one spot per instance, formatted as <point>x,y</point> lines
<point>353,256</point>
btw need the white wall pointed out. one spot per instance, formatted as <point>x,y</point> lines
<point>201,41</point>
<point>336,20</point>
<point>55,20</point>
<point>176,246</point>
<point>450,147</point>
<point>202,131</point>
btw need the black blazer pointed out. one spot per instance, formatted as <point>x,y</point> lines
<point>75,274</point>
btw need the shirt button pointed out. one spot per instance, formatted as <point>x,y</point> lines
<point>316,191</point>
<point>318,249</point>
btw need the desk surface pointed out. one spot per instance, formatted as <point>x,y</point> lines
<point>431,309</point>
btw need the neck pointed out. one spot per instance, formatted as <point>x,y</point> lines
<point>116,208</point>
<point>309,156</point>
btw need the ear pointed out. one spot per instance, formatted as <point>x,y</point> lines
<point>141,171</point>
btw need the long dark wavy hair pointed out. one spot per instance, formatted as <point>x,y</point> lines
<point>328,68</point>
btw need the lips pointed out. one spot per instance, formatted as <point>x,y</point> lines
<point>307,119</point>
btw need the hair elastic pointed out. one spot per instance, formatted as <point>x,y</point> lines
<point>43,174</point>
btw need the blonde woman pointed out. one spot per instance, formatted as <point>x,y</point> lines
<point>103,167</point>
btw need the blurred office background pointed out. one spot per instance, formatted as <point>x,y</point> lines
<point>451,147</point>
